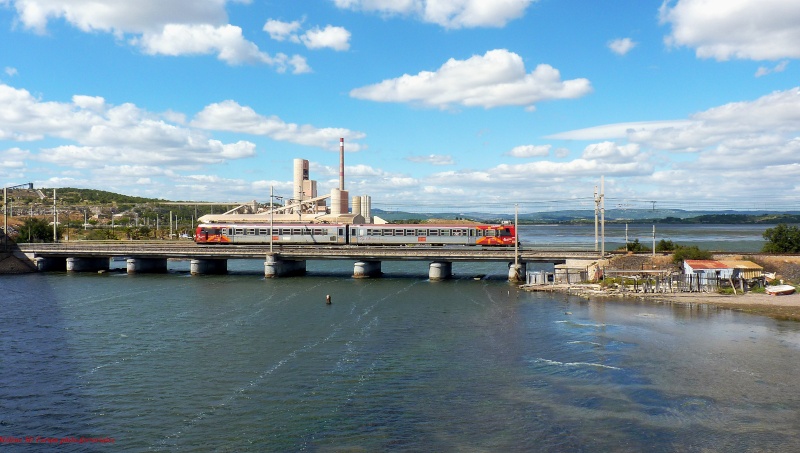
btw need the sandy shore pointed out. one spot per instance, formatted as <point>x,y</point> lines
<point>778,307</point>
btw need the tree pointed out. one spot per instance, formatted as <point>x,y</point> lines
<point>782,239</point>
<point>35,230</point>
<point>690,252</point>
<point>665,246</point>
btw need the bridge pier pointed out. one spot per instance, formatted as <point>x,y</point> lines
<point>86,264</point>
<point>274,267</point>
<point>51,264</point>
<point>516,272</point>
<point>206,266</point>
<point>366,269</point>
<point>146,265</point>
<point>440,270</point>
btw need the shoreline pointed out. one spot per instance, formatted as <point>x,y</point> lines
<point>785,308</point>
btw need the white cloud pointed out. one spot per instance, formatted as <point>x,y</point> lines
<point>433,159</point>
<point>330,37</point>
<point>530,151</point>
<point>336,38</point>
<point>101,133</point>
<point>282,31</point>
<point>446,13</point>
<point>174,28</point>
<point>621,46</point>
<point>11,72</point>
<point>618,130</point>
<point>611,152</point>
<point>743,29</point>
<point>230,116</point>
<point>780,67</point>
<point>497,78</point>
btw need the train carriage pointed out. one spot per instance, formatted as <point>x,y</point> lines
<point>324,234</point>
<point>490,235</point>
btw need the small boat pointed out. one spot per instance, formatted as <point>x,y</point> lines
<point>779,290</point>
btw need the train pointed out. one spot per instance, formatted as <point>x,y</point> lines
<point>502,235</point>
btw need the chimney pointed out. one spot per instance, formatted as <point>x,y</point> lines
<point>341,163</point>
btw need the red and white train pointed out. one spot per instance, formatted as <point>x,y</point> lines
<point>342,234</point>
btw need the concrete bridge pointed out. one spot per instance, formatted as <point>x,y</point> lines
<point>145,257</point>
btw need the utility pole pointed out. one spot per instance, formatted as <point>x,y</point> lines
<point>596,213</point>
<point>603,216</point>
<point>55,218</point>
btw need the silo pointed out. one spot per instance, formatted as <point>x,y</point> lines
<point>336,201</point>
<point>339,202</point>
<point>300,175</point>
<point>366,208</point>
<point>356,205</point>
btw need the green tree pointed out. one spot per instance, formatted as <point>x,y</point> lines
<point>636,246</point>
<point>35,230</point>
<point>782,239</point>
<point>665,246</point>
<point>691,252</point>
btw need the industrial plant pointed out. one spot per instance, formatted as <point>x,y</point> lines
<point>306,205</point>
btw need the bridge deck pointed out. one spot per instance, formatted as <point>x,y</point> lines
<point>188,250</point>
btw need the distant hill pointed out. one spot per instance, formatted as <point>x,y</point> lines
<point>634,216</point>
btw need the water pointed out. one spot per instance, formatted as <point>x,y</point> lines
<point>239,363</point>
<point>726,238</point>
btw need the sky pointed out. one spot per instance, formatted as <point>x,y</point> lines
<point>451,105</point>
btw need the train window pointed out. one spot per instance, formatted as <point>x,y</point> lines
<point>251,231</point>
<point>318,232</point>
<point>459,232</point>
<point>433,232</point>
<point>445,233</point>
<point>505,232</point>
<point>388,232</point>
<point>491,233</point>
<point>422,232</point>
<point>411,232</point>
<point>398,232</point>
<point>479,233</point>
<point>238,231</point>
<point>262,231</point>
<point>224,231</point>
<point>297,231</point>
<point>341,231</point>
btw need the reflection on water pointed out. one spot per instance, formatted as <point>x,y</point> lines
<point>240,363</point>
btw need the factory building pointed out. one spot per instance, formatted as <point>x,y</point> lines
<point>306,205</point>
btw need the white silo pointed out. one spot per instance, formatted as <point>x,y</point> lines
<point>356,208</point>
<point>366,208</point>
<point>300,175</point>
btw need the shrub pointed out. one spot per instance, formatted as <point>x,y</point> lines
<point>782,239</point>
<point>691,252</point>
<point>665,246</point>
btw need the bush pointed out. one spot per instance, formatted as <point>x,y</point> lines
<point>691,252</point>
<point>36,230</point>
<point>665,246</point>
<point>635,246</point>
<point>782,239</point>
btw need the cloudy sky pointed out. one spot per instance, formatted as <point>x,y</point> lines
<point>442,103</point>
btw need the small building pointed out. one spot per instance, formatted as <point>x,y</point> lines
<point>747,270</point>
<point>706,270</point>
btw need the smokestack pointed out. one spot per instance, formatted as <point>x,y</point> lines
<point>341,163</point>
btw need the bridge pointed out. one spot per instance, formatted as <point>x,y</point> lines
<point>152,256</point>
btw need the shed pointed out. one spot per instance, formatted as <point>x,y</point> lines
<point>707,270</point>
<point>744,269</point>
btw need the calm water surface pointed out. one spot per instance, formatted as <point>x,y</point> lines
<point>239,363</point>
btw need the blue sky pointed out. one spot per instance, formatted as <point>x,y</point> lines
<point>457,104</point>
